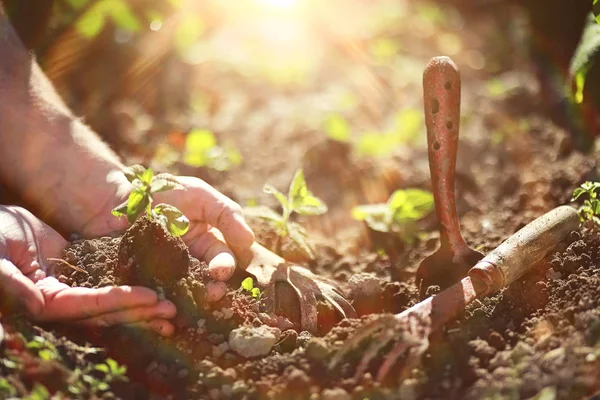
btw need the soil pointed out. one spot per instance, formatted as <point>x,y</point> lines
<point>539,338</point>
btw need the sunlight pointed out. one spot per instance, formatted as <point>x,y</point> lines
<point>278,3</point>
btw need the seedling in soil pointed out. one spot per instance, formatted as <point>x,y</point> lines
<point>145,185</point>
<point>300,201</point>
<point>590,210</point>
<point>399,214</point>
<point>202,150</point>
<point>248,286</point>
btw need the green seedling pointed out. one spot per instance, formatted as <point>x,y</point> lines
<point>96,379</point>
<point>43,348</point>
<point>202,150</point>
<point>145,186</point>
<point>590,210</point>
<point>399,214</point>
<point>248,286</point>
<point>583,59</point>
<point>300,201</point>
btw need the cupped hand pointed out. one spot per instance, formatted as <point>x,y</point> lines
<point>217,225</point>
<point>26,243</point>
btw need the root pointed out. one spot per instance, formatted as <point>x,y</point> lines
<point>60,260</point>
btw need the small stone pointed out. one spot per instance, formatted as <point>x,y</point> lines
<point>364,284</point>
<point>200,323</point>
<point>288,341</point>
<point>253,341</point>
<point>335,394</point>
<point>304,337</point>
<point>218,351</point>
<point>227,312</point>
<point>216,338</point>
<point>239,388</point>
<point>316,349</point>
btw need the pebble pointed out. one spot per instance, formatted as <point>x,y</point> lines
<point>316,349</point>
<point>218,351</point>
<point>227,312</point>
<point>335,394</point>
<point>239,388</point>
<point>253,341</point>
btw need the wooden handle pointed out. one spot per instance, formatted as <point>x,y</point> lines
<point>518,253</point>
<point>441,92</point>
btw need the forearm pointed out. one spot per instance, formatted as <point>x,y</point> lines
<point>49,157</point>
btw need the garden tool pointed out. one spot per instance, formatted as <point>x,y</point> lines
<point>270,270</point>
<point>406,334</point>
<point>441,92</point>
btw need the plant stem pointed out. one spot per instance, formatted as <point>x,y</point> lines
<point>60,260</point>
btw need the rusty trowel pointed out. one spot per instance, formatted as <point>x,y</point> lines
<point>441,97</point>
<point>410,329</point>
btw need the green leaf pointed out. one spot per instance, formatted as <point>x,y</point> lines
<point>361,212</point>
<point>39,392</point>
<point>337,128</point>
<point>298,190</point>
<point>177,223</point>
<point>134,172</point>
<point>146,177</point>
<point>255,292</point>
<point>164,182</point>
<point>6,388</point>
<point>596,10</point>
<point>120,210</point>
<point>410,204</point>
<point>547,393</point>
<point>311,205</point>
<point>198,143</point>
<point>269,189</point>
<point>123,16</point>
<point>577,193</point>
<point>47,354</point>
<point>248,284</point>
<point>136,203</point>
<point>588,47</point>
<point>92,21</point>
<point>102,368</point>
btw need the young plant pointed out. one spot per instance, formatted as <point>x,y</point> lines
<point>145,186</point>
<point>590,210</point>
<point>248,286</point>
<point>202,150</point>
<point>300,201</point>
<point>399,214</point>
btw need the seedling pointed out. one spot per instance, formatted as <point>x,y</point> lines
<point>300,201</point>
<point>590,210</point>
<point>399,214</point>
<point>248,286</point>
<point>145,185</point>
<point>202,150</point>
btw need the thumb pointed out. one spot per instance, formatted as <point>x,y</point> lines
<point>17,291</point>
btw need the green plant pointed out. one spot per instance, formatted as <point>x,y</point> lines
<point>201,150</point>
<point>43,348</point>
<point>585,54</point>
<point>145,185</point>
<point>406,127</point>
<point>96,379</point>
<point>6,389</point>
<point>299,200</point>
<point>248,286</point>
<point>590,210</point>
<point>337,128</point>
<point>399,214</point>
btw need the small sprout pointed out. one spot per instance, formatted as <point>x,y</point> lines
<point>300,201</point>
<point>248,286</point>
<point>145,185</point>
<point>201,150</point>
<point>76,268</point>
<point>399,214</point>
<point>337,128</point>
<point>590,210</point>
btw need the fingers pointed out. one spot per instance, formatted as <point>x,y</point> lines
<point>19,289</point>
<point>202,202</point>
<point>149,317</point>
<point>211,246</point>
<point>67,303</point>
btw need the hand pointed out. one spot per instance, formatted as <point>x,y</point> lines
<point>217,226</point>
<point>25,245</point>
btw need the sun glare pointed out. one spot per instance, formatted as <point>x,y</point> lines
<point>277,3</point>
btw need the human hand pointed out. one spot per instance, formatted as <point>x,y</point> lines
<point>217,226</point>
<point>25,245</point>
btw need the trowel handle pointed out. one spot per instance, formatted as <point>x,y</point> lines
<point>518,253</point>
<point>441,98</point>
